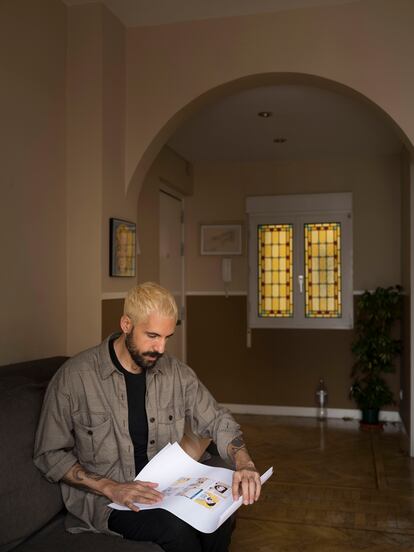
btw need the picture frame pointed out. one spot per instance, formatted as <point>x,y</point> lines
<point>221,239</point>
<point>122,248</point>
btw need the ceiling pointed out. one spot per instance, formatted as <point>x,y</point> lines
<point>135,13</point>
<point>314,121</point>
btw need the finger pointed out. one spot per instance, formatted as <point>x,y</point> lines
<point>139,487</point>
<point>245,490</point>
<point>150,493</point>
<point>147,483</point>
<point>258,488</point>
<point>132,506</point>
<point>146,500</point>
<point>147,497</point>
<point>235,486</point>
<point>148,490</point>
<point>252,490</point>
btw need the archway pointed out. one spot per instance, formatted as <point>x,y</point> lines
<point>227,89</point>
<point>238,85</point>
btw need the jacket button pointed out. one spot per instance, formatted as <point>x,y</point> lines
<point>170,417</point>
<point>152,442</point>
<point>90,432</point>
<point>152,420</point>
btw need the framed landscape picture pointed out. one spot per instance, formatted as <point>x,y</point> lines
<point>122,247</point>
<point>221,239</point>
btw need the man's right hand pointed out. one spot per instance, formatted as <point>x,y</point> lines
<point>126,494</point>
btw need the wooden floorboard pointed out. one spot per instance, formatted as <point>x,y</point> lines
<point>335,488</point>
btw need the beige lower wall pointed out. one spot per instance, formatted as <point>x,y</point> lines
<point>32,169</point>
<point>281,368</point>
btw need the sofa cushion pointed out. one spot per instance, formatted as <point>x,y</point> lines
<point>27,500</point>
<point>54,538</point>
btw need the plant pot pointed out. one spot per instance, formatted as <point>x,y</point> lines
<point>370,416</point>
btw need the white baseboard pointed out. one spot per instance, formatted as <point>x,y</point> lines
<point>305,411</point>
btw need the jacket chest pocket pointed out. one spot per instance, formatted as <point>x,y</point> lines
<point>171,423</point>
<point>95,439</point>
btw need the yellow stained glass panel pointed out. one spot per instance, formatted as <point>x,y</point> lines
<point>322,267</point>
<point>275,265</point>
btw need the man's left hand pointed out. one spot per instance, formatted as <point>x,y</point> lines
<point>246,483</point>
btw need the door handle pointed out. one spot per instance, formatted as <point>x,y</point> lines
<point>300,281</point>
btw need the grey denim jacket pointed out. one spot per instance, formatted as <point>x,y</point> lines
<point>85,419</point>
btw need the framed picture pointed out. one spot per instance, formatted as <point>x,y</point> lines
<point>122,247</point>
<point>221,239</point>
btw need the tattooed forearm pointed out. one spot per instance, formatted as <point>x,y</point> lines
<point>82,479</point>
<point>80,474</point>
<point>239,454</point>
<point>236,445</point>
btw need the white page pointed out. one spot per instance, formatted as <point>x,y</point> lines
<point>198,494</point>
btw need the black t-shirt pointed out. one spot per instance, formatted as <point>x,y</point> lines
<point>137,414</point>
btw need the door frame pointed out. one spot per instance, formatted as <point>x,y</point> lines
<point>411,436</point>
<point>166,188</point>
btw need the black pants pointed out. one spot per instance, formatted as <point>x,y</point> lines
<point>169,531</point>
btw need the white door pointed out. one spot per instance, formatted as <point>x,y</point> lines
<point>172,262</point>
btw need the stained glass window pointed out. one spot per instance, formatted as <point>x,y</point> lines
<point>275,270</point>
<point>323,270</point>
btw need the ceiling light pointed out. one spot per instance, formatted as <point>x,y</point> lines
<point>265,114</point>
<point>279,140</point>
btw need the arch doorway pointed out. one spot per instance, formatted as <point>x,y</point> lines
<point>288,134</point>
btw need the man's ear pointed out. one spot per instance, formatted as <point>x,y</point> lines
<point>126,324</point>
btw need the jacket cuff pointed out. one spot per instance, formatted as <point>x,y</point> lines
<point>57,471</point>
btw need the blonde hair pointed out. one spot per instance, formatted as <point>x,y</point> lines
<point>149,297</point>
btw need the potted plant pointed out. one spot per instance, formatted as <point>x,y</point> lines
<point>375,348</point>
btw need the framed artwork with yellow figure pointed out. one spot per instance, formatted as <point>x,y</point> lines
<point>122,247</point>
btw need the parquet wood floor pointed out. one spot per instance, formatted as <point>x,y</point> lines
<point>335,488</point>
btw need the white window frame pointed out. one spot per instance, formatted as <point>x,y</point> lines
<point>298,210</point>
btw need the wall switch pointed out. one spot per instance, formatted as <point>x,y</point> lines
<point>249,338</point>
<point>226,270</point>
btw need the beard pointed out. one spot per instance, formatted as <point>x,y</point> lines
<point>139,357</point>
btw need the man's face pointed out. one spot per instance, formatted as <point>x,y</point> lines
<point>147,340</point>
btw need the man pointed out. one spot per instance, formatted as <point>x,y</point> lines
<point>110,409</point>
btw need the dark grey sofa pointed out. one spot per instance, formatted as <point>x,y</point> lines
<point>31,509</point>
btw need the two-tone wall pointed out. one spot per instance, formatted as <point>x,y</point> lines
<point>283,367</point>
<point>365,46</point>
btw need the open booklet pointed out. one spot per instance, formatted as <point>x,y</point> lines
<point>199,494</point>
